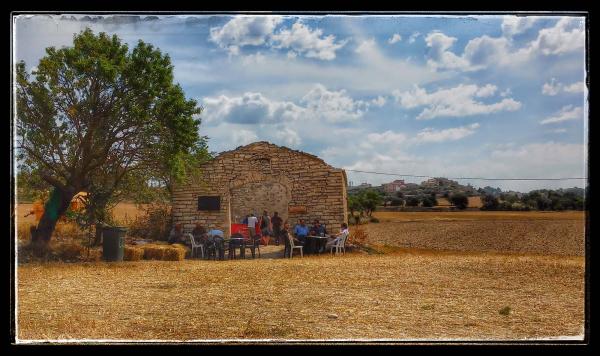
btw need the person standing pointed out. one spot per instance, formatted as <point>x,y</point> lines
<point>276,221</point>
<point>252,221</point>
<point>265,225</point>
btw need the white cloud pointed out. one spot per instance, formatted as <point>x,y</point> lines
<point>260,30</point>
<point>244,136</point>
<point>333,106</point>
<point>386,137</point>
<point>250,108</point>
<point>413,37</point>
<point>288,137</point>
<point>451,134</point>
<point>379,101</point>
<point>366,46</point>
<point>551,88</point>
<point>310,43</point>
<point>555,87</point>
<point>566,113</point>
<point>453,102</point>
<point>244,31</point>
<point>545,160</point>
<point>254,108</point>
<point>514,25</point>
<point>439,57</point>
<point>395,38</point>
<point>577,87</point>
<point>566,36</point>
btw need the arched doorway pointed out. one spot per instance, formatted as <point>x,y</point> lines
<point>254,197</point>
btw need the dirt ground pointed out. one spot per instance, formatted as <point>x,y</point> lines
<point>462,276</point>
<point>403,296</point>
<point>545,233</point>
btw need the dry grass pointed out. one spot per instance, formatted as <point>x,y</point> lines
<point>552,233</point>
<point>399,296</point>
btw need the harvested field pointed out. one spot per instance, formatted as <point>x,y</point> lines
<point>547,233</point>
<point>400,296</point>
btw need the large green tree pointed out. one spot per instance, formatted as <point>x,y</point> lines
<point>100,118</point>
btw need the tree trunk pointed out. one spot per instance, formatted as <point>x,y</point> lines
<point>55,207</point>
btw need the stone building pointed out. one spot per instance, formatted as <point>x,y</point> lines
<point>262,176</point>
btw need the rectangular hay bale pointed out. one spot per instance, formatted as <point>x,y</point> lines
<point>132,253</point>
<point>153,252</point>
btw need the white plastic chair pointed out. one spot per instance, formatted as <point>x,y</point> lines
<point>339,245</point>
<point>292,246</point>
<point>195,245</point>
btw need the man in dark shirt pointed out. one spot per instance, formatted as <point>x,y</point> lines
<point>318,229</point>
<point>276,221</point>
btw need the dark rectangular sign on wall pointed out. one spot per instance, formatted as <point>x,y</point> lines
<point>209,203</point>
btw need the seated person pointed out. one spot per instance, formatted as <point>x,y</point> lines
<point>301,231</point>
<point>176,235</point>
<point>318,229</point>
<point>215,232</point>
<point>199,233</point>
<point>332,241</point>
<point>214,241</point>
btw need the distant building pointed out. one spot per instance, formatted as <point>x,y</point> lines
<point>394,186</point>
<point>360,186</point>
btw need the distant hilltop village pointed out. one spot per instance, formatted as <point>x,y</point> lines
<point>442,187</point>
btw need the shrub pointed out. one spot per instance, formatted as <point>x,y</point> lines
<point>489,202</point>
<point>358,237</point>
<point>154,224</point>
<point>397,201</point>
<point>412,201</point>
<point>459,200</point>
<point>504,311</point>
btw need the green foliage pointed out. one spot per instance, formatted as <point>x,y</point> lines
<point>429,201</point>
<point>459,200</point>
<point>100,118</point>
<point>489,202</point>
<point>30,187</point>
<point>369,200</point>
<point>412,201</point>
<point>396,201</point>
<point>364,202</point>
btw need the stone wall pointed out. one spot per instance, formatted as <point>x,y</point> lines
<point>296,184</point>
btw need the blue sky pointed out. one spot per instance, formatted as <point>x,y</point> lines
<point>454,96</point>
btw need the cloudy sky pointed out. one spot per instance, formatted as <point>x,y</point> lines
<point>454,96</point>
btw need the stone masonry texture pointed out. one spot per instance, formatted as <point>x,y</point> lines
<point>263,176</point>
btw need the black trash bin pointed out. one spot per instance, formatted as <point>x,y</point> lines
<point>113,243</point>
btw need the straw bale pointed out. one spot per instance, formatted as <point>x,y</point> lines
<point>174,254</point>
<point>153,252</point>
<point>95,255</point>
<point>132,253</point>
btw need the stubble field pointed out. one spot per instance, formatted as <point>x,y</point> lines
<point>502,276</point>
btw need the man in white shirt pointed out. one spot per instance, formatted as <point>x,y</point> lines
<point>252,221</point>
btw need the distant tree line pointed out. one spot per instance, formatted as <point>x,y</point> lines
<point>543,199</point>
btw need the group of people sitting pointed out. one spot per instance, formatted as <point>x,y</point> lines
<point>270,227</point>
